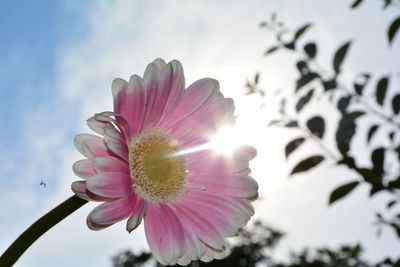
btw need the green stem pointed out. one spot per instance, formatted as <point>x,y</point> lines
<point>47,221</point>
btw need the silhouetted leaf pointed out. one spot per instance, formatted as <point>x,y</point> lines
<point>304,100</point>
<point>343,103</point>
<point>311,50</point>
<point>256,78</point>
<point>274,122</point>
<point>302,67</point>
<point>375,189</point>
<point>342,191</point>
<point>290,45</point>
<point>378,159</point>
<point>396,104</point>
<point>291,124</point>
<point>329,84</point>
<point>370,175</point>
<point>316,125</point>
<point>371,132</point>
<point>381,89</point>
<point>361,82</point>
<point>393,28</point>
<point>307,164</point>
<point>293,145</point>
<point>339,57</point>
<point>356,3</point>
<point>301,31</point>
<point>391,203</point>
<point>271,50</point>
<point>346,131</point>
<point>391,135</point>
<point>305,79</point>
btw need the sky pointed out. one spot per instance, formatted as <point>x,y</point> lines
<point>57,62</point>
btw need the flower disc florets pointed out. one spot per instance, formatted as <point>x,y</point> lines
<point>157,176</point>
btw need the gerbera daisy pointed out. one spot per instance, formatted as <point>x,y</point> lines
<point>145,165</point>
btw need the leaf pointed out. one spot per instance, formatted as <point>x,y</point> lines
<point>361,82</point>
<point>293,145</point>
<point>271,50</point>
<point>393,28</point>
<point>329,84</point>
<point>391,203</point>
<point>371,132</point>
<point>307,164</point>
<point>304,100</point>
<point>273,122</point>
<point>311,50</point>
<point>342,191</point>
<point>396,104</point>
<point>356,3</point>
<point>256,78</point>
<point>291,124</point>
<point>381,89</point>
<point>343,103</point>
<point>301,31</point>
<point>346,131</point>
<point>378,159</point>
<point>302,67</point>
<point>339,56</point>
<point>316,125</point>
<point>305,79</point>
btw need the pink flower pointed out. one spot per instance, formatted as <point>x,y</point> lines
<point>190,202</point>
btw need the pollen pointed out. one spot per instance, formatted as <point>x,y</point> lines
<point>156,176</point>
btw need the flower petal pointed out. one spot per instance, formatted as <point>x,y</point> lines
<point>136,218</point>
<point>83,168</point>
<point>115,141</point>
<point>110,184</point>
<point>111,212</point>
<point>164,233</point>
<point>241,187</point>
<point>110,164</point>
<point>79,188</point>
<point>197,96</point>
<point>130,102</point>
<point>90,146</point>
<point>199,224</point>
<point>96,125</point>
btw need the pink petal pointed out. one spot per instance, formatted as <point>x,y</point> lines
<point>205,122</point>
<point>111,212</point>
<point>211,162</point>
<point>197,96</point>
<point>246,153</point>
<point>199,224</point>
<point>238,209</point>
<point>115,141</point>
<point>130,102</point>
<point>90,146</point>
<point>110,164</point>
<point>241,187</point>
<point>110,184</point>
<point>164,233</point>
<point>83,168</point>
<point>164,84</point>
<point>136,218</point>
<point>176,89</point>
<point>96,125</point>
<point>79,188</point>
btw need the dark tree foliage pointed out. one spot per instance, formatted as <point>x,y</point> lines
<point>255,248</point>
<point>355,107</point>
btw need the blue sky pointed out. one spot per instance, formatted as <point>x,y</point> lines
<point>57,61</point>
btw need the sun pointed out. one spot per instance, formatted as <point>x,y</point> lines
<point>227,139</point>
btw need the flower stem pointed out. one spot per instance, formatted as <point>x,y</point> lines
<point>47,221</point>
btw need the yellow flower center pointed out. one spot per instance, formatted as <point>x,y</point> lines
<point>157,176</point>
